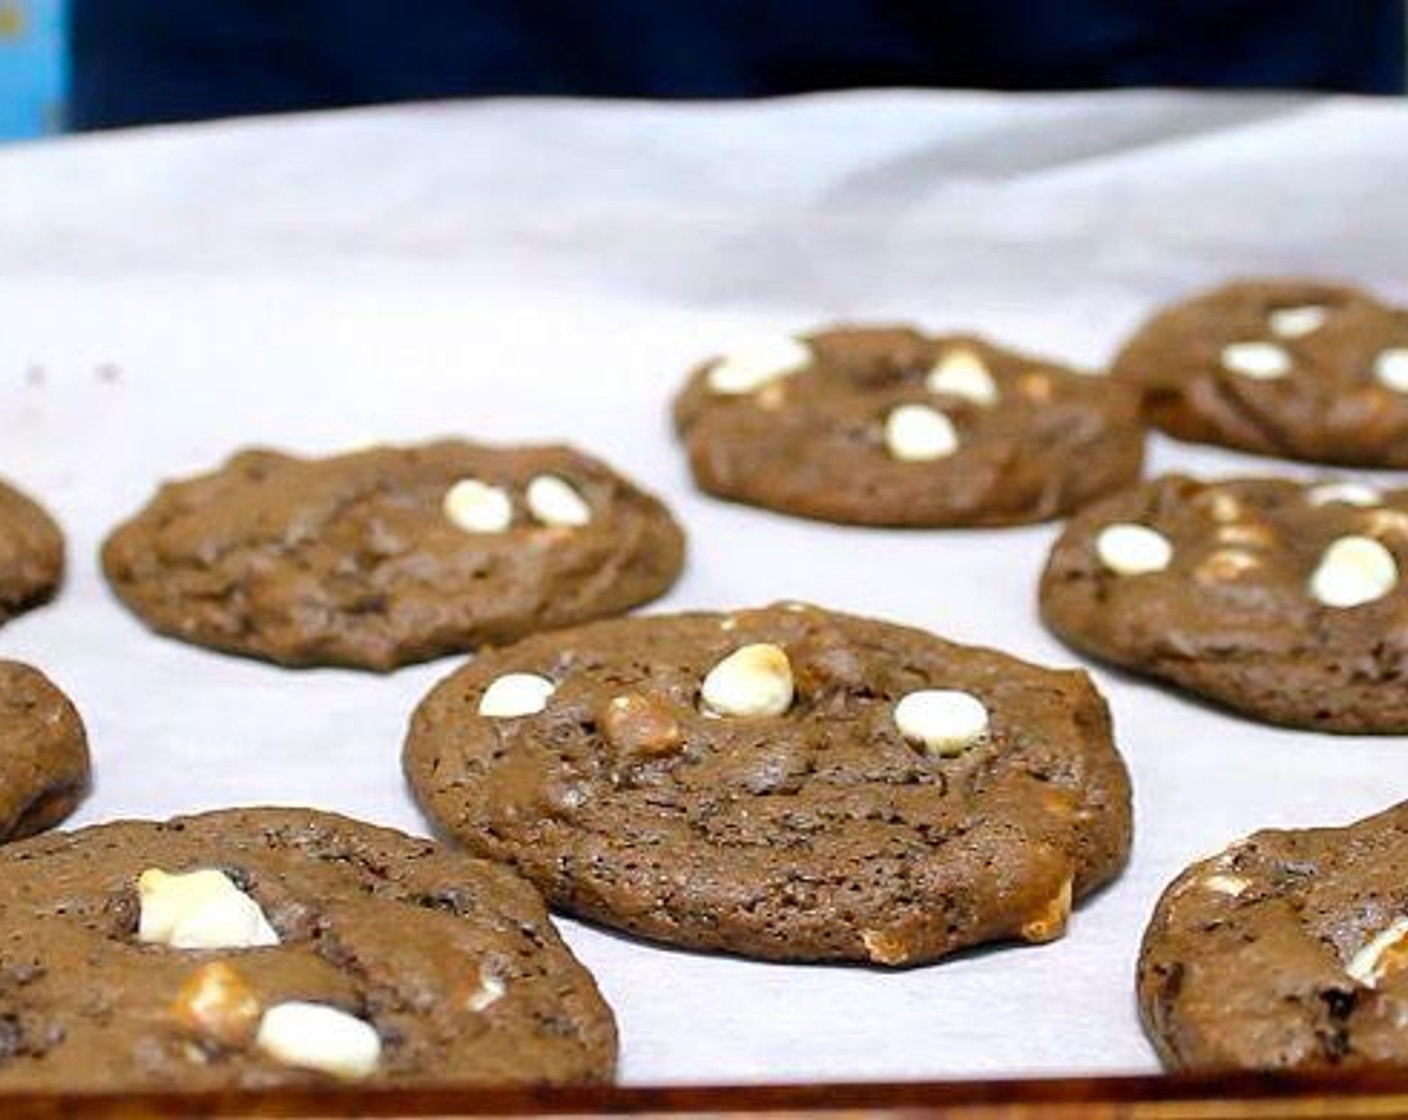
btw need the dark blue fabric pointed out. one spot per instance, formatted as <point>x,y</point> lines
<point>156,60</point>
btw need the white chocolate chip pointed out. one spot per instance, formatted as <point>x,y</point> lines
<point>944,721</point>
<point>1225,507</point>
<point>749,369</point>
<point>1297,322</point>
<point>1226,565</point>
<point>884,947</point>
<point>1386,523</point>
<point>1373,959</point>
<point>1233,885</point>
<point>1391,368</point>
<point>477,507</point>
<point>1249,534</point>
<point>1132,550</point>
<point>555,501</point>
<point>754,680</point>
<point>1349,493</point>
<point>1353,571</point>
<point>1228,856</point>
<point>516,694</point>
<point>916,433</point>
<point>216,1004</point>
<point>1261,361</point>
<point>1050,921</point>
<point>319,1037</point>
<point>199,910</point>
<point>960,372</point>
<point>640,725</point>
<point>490,990</point>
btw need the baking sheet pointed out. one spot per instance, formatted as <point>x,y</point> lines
<point>521,271</point>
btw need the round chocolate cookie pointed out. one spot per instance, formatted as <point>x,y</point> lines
<point>886,426</point>
<point>785,783</point>
<point>393,555</point>
<point>1291,368</point>
<point>31,553</point>
<point>43,753</point>
<point>1287,951</point>
<point>273,947</point>
<point>1283,600</point>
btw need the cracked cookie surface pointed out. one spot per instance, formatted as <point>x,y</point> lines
<point>397,554</point>
<point>31,553</point>
<point>450,960</point>
<point>1286,951</point>
<point>786,783</point>
<point>44,766</point>
<point>1296,369</point>
<point>888,426</point>
<point>1283,600</point>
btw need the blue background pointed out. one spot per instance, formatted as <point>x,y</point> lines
<point>33,66</point>
<point>141,61</point>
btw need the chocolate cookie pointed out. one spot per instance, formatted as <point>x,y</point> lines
<point>886,426</point>
<point>43,753</point>
<point>1280,599</point>
<point>393,555</point>
<point>786,783</point>
<point>265,947</point>
<point>1292,368</point>
<point>1287,951</point>
<point>31,553</point>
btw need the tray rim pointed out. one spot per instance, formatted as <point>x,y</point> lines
<point>1364,1092</point>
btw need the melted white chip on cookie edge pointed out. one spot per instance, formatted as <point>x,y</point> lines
<point>750,368</point>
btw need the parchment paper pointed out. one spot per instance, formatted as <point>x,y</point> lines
<point>517,271</point>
